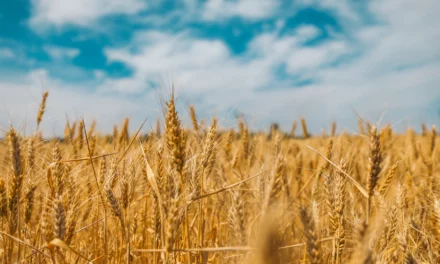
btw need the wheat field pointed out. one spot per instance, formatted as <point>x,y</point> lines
<point>206,194</point>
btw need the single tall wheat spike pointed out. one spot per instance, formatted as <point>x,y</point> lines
<point>175,139</point>
<point>59,228</point>
<point>30,193</point>
<point>375,159</point>
<point>42,108</point>
<point>293,129</point>
<point>389,178</point>
<point>3,199</point>
<point>173,222</point>
<point>17,178</point>
<point>116,207</point>
<point>124,136</point>
<point>333,129</point>
<point>313,250</point>
<point>304,128</point>
<point>80,138</point>
<point>433,137</point>
<point>192,113</point>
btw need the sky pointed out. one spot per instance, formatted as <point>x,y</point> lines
<point>269,60</point>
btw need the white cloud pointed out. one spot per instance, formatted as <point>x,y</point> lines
<point>384,67</point>
<point>125,85</point>
<point>99,74</point>
<point>167,53</point>
<point>275,47</point>
<point>200,65</point>
<point>249,9</point>
<point>279,24</point>
<point>312,58</point>
<point>79,12</point>
<point>61,52</point>
<point>6,53</point>
<point>307,32</point>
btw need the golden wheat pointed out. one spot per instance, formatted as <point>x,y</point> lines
<point>216,195</point>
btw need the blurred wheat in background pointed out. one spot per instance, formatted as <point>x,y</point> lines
<point>214,195</point>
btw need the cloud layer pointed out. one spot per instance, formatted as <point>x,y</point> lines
<point>381,57</point>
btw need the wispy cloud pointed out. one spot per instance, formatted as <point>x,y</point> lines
<point>248,9</point>
<point>79,12</point>
<point>6,53</point>
<point>62,52</point>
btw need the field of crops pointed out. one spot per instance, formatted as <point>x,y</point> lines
<point>206,194</point>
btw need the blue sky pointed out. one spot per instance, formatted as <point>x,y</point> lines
<point>270,60</point>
